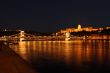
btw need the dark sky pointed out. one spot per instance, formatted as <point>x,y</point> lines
<point>51,15</point>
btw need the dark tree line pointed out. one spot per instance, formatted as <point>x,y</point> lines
<point>38,33</point>
<point>8,33</point>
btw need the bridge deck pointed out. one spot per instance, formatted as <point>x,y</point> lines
<point>10,62</point>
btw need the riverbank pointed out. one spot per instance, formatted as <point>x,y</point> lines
<point>10,62</point>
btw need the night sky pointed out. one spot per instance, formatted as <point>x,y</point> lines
<point>51,15</point>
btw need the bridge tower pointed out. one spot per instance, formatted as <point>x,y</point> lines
<point>67,36</point>
<point>21,34</point>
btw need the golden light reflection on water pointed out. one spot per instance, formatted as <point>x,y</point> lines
<point>77,51</point>
<point>22,49</point>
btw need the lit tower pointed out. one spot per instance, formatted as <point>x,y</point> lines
<point>79,27</point>
<point>67,36</point>
<point>21,33</point>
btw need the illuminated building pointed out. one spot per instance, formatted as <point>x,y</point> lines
<point>79,28</point>
<point>107,27</point>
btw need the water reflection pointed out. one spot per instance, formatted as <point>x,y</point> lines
<point>72,56</point>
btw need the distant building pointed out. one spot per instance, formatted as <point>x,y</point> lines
<point>79,28</point>
<point>107,27</point>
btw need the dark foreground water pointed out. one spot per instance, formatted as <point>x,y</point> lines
<point>78,56</point>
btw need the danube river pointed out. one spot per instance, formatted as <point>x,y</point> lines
<point>76,56</point>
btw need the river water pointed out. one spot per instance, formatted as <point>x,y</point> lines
<point>78,56</point>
